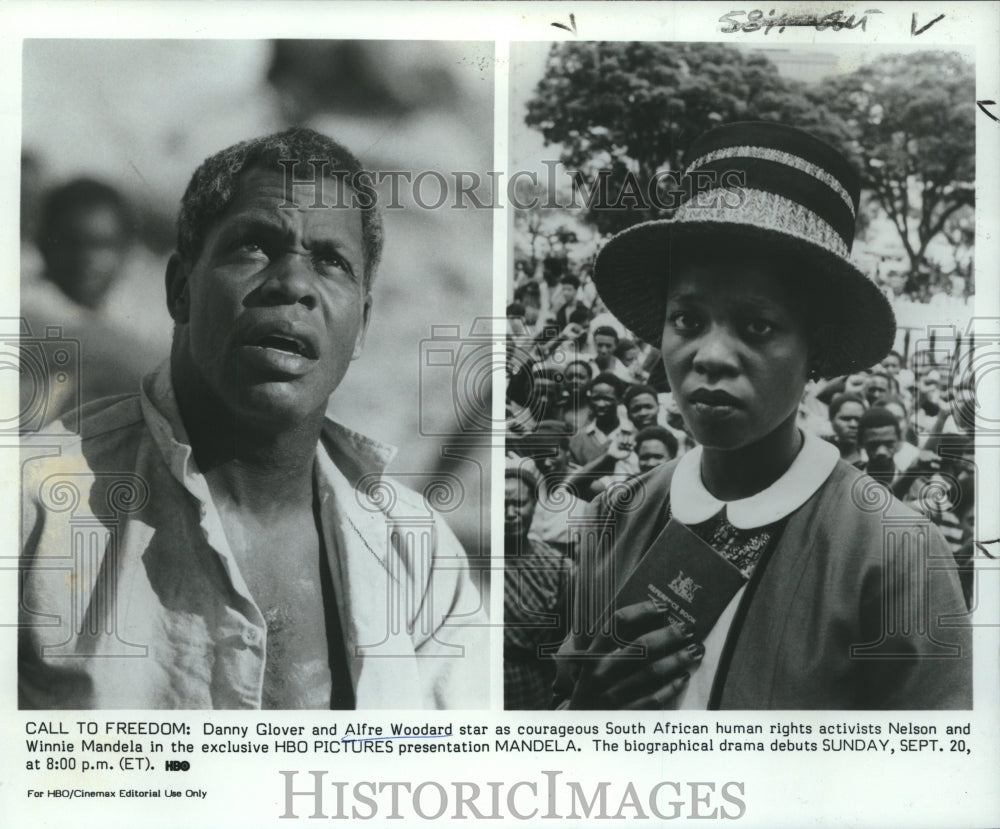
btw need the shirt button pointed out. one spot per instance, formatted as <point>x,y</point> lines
<point>251,636</point>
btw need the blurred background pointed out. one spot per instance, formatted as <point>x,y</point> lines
<point>113,130</point>
<point>904,116</point>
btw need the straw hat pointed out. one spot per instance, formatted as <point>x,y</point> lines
<point>752,185</point>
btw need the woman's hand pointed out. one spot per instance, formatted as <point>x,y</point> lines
<point>650,681</point>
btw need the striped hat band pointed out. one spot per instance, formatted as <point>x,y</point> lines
<point>763,210</point>
<point>789,177</point>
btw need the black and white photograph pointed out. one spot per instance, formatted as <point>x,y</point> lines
<point>434,412</point>
<point>741,469</point>
<point>222,320</point>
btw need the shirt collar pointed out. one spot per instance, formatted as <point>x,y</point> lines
<point>355,454</point>
<point>591,428</point>
<point>691,503</point>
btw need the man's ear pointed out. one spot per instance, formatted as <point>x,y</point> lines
<point>366,316</point>
<point>178,293</point>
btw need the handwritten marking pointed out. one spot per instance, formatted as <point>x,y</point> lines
<point>914,31</point>
<point>755,21</point>
<point>981,545</point>
<point>570,28</point>
<point>983,104</point>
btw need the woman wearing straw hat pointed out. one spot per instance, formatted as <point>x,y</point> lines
<point>840,596</point>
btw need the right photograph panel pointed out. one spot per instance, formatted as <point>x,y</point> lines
<point>740,420</point>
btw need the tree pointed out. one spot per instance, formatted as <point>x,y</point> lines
<point>910,128</point>
<point>634,108</point>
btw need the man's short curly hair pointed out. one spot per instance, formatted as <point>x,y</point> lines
<point>213,185</point>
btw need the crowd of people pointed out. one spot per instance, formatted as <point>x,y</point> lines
<point>588,408</point>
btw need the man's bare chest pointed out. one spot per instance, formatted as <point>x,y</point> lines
<point>280,561</point>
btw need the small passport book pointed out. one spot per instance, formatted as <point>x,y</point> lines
<point>683,576</point>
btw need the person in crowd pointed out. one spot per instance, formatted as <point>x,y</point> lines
<point>938,483</point>
<point>654,445</point>
<point>604,359</point>
<point>846,411</point>
<point>546,394</point>
<point>601,452</point>
<point>750,296</point>
<point>878,387</point>
<point>548,449</point>
<point>536,609</point>
<point>570,343</point>
<point>85,233</point>
<point>927,406</point>
<point>895,367</point>
<point>520,394</point>
<point>529,296</point>
<point>577,375</point>
<point>573,396</point>
<point>251,557</point>
<point>569,285</point>
<point>892,363</point>
<point>642,406</point>
<point>907,452</point>
<point>605,343</point>
<point>853,383</point>
<point>84,237</point>
<point>627,353</point>
<point>605,427</point>
<point>879,437</point>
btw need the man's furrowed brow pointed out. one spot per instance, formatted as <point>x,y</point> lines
<point>268,221</point>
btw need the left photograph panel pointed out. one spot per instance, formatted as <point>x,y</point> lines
<point>254,456</point>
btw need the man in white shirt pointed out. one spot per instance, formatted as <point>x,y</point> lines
<point>216,541</point>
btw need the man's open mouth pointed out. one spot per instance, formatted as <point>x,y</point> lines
<point>289,345</point>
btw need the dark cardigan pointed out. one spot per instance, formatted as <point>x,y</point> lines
<point>858,605</point>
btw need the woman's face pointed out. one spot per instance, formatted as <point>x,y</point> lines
<point>735,351</point>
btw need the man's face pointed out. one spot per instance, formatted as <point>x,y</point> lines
<point>518,507</point>
<point>604,345</point>
<point>603,400</point>
<point>643,410</point>
<point>576,376</point>
<point>548,453</point>
<point>845,422</point>
<point>652,453</point>
<point>891,364</point>
<point>88,253</point>
<point>275,307</point>
<point>569,292</point>
<point>880,442</point>
<point>876,389</point>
